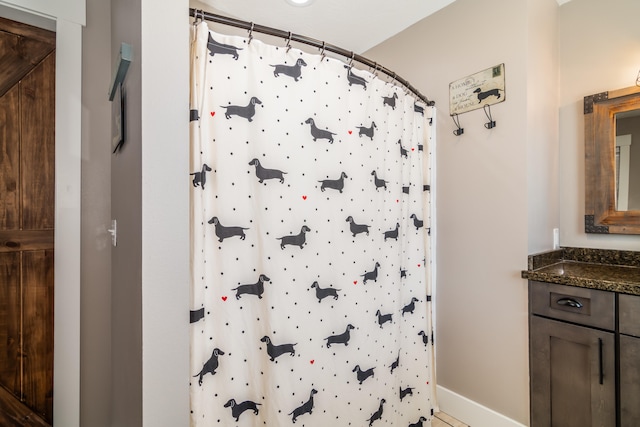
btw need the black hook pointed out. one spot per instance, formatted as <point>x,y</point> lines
<point>487,111</point>
<point>456,120</point>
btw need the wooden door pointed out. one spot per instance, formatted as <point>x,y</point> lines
<point>27,189</point>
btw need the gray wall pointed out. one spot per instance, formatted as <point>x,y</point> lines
<point>500,193</point>
<point>126,208</point>
<point>496,190</point>
<point>599,51</point>
<point>95,330</point>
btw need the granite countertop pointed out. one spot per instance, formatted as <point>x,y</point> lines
<point>608,270</point>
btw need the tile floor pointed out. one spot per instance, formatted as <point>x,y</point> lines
<point>443,420</point>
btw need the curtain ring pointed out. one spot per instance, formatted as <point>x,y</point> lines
<point>289,41</point>
<point>322,50</point>
<point>406,89</point>
<point>393,79</point>
<point>375,69</point>
<point>250,33</point>
<point>353,55</point>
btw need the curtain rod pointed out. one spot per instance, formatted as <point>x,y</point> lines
<point>250,26</point>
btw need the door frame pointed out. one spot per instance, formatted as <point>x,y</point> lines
<point>68,18</point>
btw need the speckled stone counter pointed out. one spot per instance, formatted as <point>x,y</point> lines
<point>607,270</point>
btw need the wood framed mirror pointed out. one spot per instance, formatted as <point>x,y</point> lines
<point>612,156</point>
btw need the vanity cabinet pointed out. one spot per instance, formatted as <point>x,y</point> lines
<point>572,356</point>
<point>629,309</point>
<point>584,337</point>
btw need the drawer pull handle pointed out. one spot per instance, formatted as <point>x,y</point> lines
<point>600,360</point>
<point>569,302</point>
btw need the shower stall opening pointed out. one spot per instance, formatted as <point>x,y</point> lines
<point>310,237</point>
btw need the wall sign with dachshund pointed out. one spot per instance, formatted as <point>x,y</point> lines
<point>477,90</point>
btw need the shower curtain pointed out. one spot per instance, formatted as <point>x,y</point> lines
<point>310,201</point>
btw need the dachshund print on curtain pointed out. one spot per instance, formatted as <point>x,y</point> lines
<point>311,271</point>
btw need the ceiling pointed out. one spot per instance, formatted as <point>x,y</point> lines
<point>354,25</point>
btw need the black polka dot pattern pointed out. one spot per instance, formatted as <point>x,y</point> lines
<point>310,241</point>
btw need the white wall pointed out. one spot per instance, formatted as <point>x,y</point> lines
<point>165,212</point>
<point>542,124</point>
<point>66,346</point>
<point>497,194</point>
<point>599,51</point>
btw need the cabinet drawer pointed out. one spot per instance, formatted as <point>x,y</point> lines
<point>589,307</point>
<point>629,315</point>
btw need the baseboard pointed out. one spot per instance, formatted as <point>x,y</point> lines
<point>470,412</point>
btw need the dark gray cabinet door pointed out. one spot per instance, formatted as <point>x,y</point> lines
<point>629,381</point>
<point>572,375</point>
